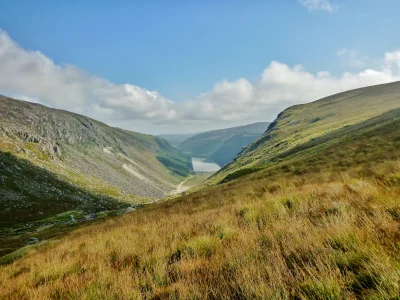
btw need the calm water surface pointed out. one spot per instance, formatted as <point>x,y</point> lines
<point>199,165</point>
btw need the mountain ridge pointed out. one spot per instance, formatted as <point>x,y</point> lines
<point>319,118</point>
<point>221,145</point>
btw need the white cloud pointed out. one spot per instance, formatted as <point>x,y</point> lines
<point>33,76</point>
<point>319,5</point>
<point>351,58</point>
<point>281,86</point>
<point>392,61</point>
<point>26,98</point>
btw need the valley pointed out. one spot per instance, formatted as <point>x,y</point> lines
<point>217,146</point>
<point>190,150</point>
<point>309,210</point>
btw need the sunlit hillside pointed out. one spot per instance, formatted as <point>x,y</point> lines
<point>309,124</point>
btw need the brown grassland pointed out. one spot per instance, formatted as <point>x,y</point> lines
<point>328,231</point>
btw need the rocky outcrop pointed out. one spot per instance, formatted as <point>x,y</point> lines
<point>77,142</point>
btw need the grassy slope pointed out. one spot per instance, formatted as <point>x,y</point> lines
<point>30,193</point>
<point>327,152</point>
<point>301,124</point>
<point>317,223</point>
<point>36,194</point>
<point>196,179</point>
<point>206,144</point>
<point>177,162</point>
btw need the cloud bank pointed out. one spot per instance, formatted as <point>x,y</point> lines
<point>32,76</point>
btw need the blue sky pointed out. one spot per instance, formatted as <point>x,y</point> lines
<point>183,49</point>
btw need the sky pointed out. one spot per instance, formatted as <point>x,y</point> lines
<point>176,66</point>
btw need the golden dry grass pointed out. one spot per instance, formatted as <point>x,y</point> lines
<point>326,235</point>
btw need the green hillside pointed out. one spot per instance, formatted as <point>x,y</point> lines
<point>221,146</point>
<point>178,162</point>
<point>375,140</point>
<point>302,124</point>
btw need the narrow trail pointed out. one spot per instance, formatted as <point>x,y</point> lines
<point>180,187</point>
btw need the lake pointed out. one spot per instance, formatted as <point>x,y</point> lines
<point>200,166</point>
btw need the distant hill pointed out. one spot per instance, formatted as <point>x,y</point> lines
<point>231,147</point>
<point>176,139</point>
<point>221,146</point>
<point>52,161</point>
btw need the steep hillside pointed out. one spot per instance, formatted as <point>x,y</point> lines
<point>176,139</point>
<point>318,221</point>
<point>302,124</point>
<point>231,147</point>
<point>221,146</point>
<point>52,161</point>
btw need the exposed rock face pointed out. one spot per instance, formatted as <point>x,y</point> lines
<point>78,142</point>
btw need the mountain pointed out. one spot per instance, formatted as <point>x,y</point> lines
<point>231,147</point>
<point>53,161</point>
<point>176,139</point>
<point>310,211</point>
<point>221,146</point>
<point>307,124</point>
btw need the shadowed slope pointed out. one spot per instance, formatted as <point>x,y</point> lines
<point>30,193</point>
<point>32,197</point>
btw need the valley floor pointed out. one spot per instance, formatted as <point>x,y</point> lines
<point>180,187</point>
<point>190,182</point>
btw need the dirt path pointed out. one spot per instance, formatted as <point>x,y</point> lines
<point>180,187</point>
